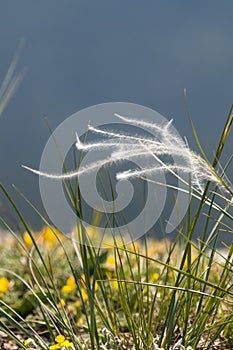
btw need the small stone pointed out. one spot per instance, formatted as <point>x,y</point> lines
<point>3,335</point>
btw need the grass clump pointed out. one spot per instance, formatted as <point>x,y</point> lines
<point>56,293</point>
<point>146,295</point>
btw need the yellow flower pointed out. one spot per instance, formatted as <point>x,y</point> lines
<point>27,239</point>
<point>115,285</point>
<point>60,338</point>
<point>71,282</point>
<point>61,342</point>
<point>84,294</point>
<point>70,285</point>
<point>49,236</point>
<point>155,276</point>
<point>66,289</point>
<point>67,344</point>
<point>4,284</point>
<point>111,261</point>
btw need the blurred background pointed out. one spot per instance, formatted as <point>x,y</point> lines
<point>80,53</point>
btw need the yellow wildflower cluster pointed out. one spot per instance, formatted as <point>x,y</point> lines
<point>70,286</point>
<point>61,342</point>
<point>48,237</point>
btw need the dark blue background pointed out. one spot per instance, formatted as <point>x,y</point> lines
<point>80,53</point>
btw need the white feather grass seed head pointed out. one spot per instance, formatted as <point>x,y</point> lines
<point>165,143</point>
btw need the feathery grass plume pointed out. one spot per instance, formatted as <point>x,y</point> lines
<point>10,82</point>
<point>163,147</point>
